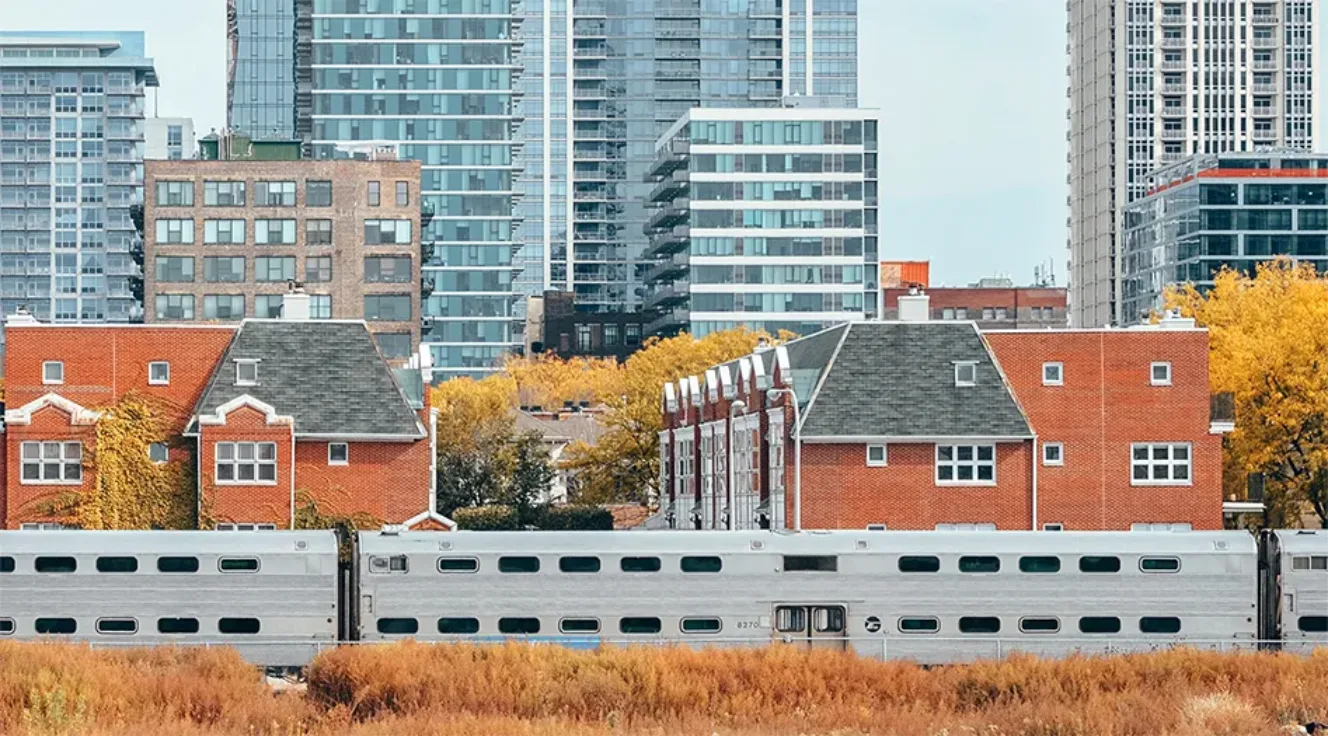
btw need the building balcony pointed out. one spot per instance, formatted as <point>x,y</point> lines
<point>1175,66</point>
<point>668,269</point>
<point>1264,66</point>
<point>670,187</point>
<point>679,33</point>
<point>676,213</point>
<point>1263,111</point>
<point>668,242</point>
<point>668,296</point>
<point>1172,111</point>
<point>1172,157</point>
<point>1173,89</point>
<point>1264,135</point>
<point>1263,89</point>
<point>1265,43</point>
<point>1174,43</point>
<point>1265,19</point>
<point>1172,135</point>
<point>1172,19</point>
<point>678,73</point>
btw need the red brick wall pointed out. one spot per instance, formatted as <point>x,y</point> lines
<point>387,480</point>
<point>25,502</point>
<point>1106,404</point>
<point>839,491</point>
<point>251,502</point>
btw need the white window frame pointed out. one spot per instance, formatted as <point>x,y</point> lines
<point>959,366</point>
<point>240,380</point>
<point>1152,373</point>
<point>955,463</point>
<point>159,381</point>
<point>162,445</point>
<point>345,453</point>
<point>1150,463</point>
<point>46,377</point>
<point>1060,454</point>
<point>67,454</point>
<point>235,462</point>
<point>885,456</point>
<point>1059,380</point>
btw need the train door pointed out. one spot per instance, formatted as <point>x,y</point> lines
<point>812,625</point>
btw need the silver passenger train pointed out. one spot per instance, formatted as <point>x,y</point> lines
<point>933,597</point>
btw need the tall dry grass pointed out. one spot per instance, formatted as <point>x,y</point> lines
<point>547,691</point>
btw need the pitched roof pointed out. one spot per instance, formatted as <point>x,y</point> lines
<point>897,379</point>
<point>566,428</point>
<point>329,376</point>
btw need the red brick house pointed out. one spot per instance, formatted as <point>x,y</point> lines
<point>265,409</point>
<point>938,425</point>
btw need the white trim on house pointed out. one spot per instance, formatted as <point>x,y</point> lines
<point>1060,454</point>
<point>816,390</point>
<point>77,414</point>
<point>1152,373</point>
<point>53,381</point>
<point>1059,380</point>
<point>346,453</point>
<point>885,455</point>
<point>218,417</point>
<point>904,440</point>
<point>159,382</point>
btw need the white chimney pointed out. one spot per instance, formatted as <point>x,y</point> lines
<point>1172,320</point>
<point>295,303</point>
<point>20,317</point>
<point>915,306</point>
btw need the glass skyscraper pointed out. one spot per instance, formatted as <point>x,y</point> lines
<point>71,166</point>
<point>268,73</point>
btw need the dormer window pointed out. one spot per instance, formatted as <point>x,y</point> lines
<point>966,373</point>
<point>246,373</point>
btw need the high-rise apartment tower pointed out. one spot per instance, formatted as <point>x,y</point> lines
<point>1152,82</point>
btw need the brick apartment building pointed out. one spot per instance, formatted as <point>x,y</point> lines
<point>925,424</point>
<point>262,409</point>
<point>224,238</point>
<point>992,307</point>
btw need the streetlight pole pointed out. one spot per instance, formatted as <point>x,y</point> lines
<point>737,406</point>
<point>797,453</point>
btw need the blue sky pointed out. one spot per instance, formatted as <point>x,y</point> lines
<point>971,92</point>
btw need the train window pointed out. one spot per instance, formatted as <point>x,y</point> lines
<point>1159,625</point>
<point>1314,624</point>
<point>6,626</point>
<point>828,619</point>
<point>177,626</point>
<point>639,625</point>
<point>790,619</point>
<point>518,564</point>
<point>979,564</point>
<point>6,564</point>
<point>238,626</point>
<point>700,626</point>
<point>640,564</point>
<point>238,564</point>
<point>926,625</point>
<point>980,625</point>
<point>117,564</point>
<point>578,564</point>
<point>458,564</point>
<point>458,625</point>
<point>579,626</point>
<point>702,564</point>
<point>518,625</point>
<point>1039,564</point>
<point>1099,625</point>
<point>177,564</point>
<point>1099,564</point>
<point>1319,562</point>
<point>1159,564</point>
<point>1300,563</point>
<point>398,626</point>
<point>1039,625</point>
<point>56,564</point>
<point>56,626</point>
<point>395,563</point>
<point>117,626</point>
<point>919,564</point>
<point>811,563</point>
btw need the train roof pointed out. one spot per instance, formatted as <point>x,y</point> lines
<point>828,542</point>
<point>76,541</point>
<point>1293,541</point>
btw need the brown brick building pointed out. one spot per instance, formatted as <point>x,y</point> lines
<point>940,425</point>
<point>224,238</point>
<point>993,308</point>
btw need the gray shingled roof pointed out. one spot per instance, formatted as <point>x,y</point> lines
<point>328,375</point>
<point>897,379</point>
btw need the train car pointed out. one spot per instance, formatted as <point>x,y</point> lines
<point>928,596</point>
<point>1294,589</point>
<point>271,595</point>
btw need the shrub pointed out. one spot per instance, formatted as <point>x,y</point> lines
<point>574,518</point>
<point>487,518</point>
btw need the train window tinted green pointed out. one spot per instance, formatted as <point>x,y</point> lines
<point>1039,564</point>
<point>518,564</point>
<point>56,626</point>
<point>6,626</point>
<point>6,564</point>
<point>919,625</point>
<point>1039,625</point>
<point>177,564</point>
<point>117,626</point>
<point>578,564</point>
<point>398,626</point>
<point>458,625</point>
<point>238,626</point>
<point>811,563</point>
<point>1099,625</point>
<point>640,564</point>
<point>639,625</point>
<point>980,625</point>
<point>1159,625</point>
<point>1314,624</point>
<point>55,564</point>
<point>920,564</point>
<point>117,564</point>
<point>1099,564</point>
<point>702,564</point>
<point>519,625</point>
<point>979,564</point>
<point>458,564</point>
<point>177,626</point>
<point>579,626</point>
<point>1159,564</point>
<point>238,564</point>
<point>700,625</point>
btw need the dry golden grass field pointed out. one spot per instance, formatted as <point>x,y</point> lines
<point>549,691</point>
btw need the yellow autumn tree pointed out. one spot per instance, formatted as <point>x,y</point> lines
<point>1269,347</point>
<point>548,381</point>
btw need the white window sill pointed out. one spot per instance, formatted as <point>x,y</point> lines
<point>246,482</point>
<point>1163,483</point>
<point>343,463</point>
<point>1053,383</point>
<point>158,383</point>
<point>878,465</point>
<point>1161,383</point>
<point>1057,464</point>
<point>962,483</point>
<point>52,383</point>
<point>50,482</point>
